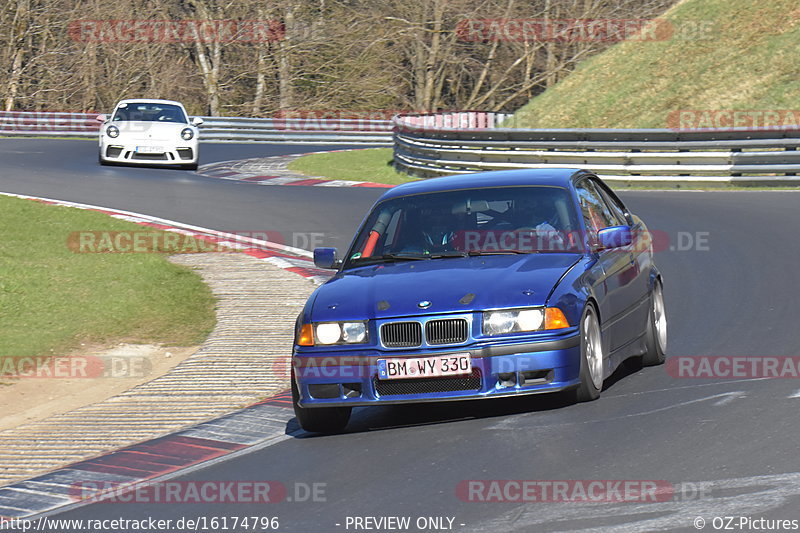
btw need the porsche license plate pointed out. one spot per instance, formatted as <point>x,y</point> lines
<point>425,367</point>
<point>150,149</point>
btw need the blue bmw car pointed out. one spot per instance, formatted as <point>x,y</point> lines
<point>483,285</point>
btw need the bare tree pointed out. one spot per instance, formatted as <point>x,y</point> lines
<point>330,54</point>
<point>16,47</point>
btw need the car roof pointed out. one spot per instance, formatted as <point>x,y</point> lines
<point>148,101</point>
<point>553,177</point>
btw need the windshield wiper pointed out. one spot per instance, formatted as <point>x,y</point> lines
<point>447,254</point>
<point>409,257</point>
<point>392,257</point>
<point>499,252</point>
<point>405,257</point>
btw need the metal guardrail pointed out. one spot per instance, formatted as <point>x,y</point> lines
<point>309,130</point>
<point>429,145</point>
<point>214,129</point>
<point>47,123</point>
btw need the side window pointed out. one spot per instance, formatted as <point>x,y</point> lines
<point>614,206</point>
<point>595,213</point>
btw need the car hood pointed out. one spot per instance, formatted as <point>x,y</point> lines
<point>450,285</point>
<point>151,131</point>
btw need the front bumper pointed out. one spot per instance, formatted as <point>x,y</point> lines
<point>169,153</point>
<point>499,370</point>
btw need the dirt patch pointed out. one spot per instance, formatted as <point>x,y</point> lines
<point>91,375</point>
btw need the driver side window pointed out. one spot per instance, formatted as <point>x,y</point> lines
<point>596,213</point>
<point>615,208</point>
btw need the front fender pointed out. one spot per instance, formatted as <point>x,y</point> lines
<point>574,289</point>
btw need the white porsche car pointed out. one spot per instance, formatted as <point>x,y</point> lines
<point>149,132</point>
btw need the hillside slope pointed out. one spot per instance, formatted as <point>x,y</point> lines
<point>722,55</point>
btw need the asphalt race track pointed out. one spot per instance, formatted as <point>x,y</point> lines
<point>68,170</point>
<point>731,445</point>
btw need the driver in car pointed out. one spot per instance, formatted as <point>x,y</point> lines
<point>539,216</point>
<point>431,230</point>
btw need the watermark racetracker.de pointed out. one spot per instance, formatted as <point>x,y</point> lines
<point>176,492</point>
<point>583,30</point>
<point>175,31</point>
<point>74,367</point>
<point>727,119</point>
<point>335,119</point>
<point>576,491</point>
<point>733,367</point>
<point>184,242</point>
<point>49,121</point>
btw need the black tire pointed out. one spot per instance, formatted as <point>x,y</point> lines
<point>190,166</point>
<point>656,352</point>
<point>587,391</point>
<point>101,161</point>
<point>325,420</point>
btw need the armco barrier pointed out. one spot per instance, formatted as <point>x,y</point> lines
<point>350,131</point>
<point>429,145</point>
<point>48,123</point>
<point>215,129</point>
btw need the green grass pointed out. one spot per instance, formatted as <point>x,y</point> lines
<point>369,164</point>
<point>52,298</point>
<point>744,59</point>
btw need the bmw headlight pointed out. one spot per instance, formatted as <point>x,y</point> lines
<point>187,134</point>
<point>513,321</point>
<point>112,131</point>
<point>340,332</point>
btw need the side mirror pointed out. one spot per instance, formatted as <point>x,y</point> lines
<point>614,237</point>
<point>326,258</point>
<point>101,118</point>
<point>196,121</point>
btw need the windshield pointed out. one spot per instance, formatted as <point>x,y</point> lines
<point>149,112</point>
<point>501,220</point>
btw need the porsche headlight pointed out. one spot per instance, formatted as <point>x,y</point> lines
<point>513,321</point>
<point>187,134</point>
<point>112,131</point>
<point>340,332</point>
